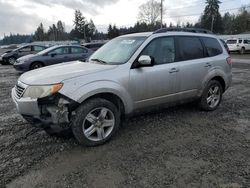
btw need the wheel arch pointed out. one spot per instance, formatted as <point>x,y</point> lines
<point>115,99</point>
<point>221,81</point>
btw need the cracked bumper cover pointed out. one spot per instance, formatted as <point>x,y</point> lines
<point>42,115</point>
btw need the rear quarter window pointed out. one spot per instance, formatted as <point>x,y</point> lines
<point>190,48</point>
<point>212,46</point>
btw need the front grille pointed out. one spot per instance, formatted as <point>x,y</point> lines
<point>19,91</point>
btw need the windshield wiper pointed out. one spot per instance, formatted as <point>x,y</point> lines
<point>99,60</point>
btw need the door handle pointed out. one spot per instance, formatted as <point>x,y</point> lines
<point>208,65</point>
<point>172,70</point>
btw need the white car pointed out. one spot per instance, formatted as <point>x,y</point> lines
<point>238,45</point>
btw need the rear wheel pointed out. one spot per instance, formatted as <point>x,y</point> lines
<point>212,95</point>
<point>96,121</point>
<point>36,65</point>
<point>12,60</point>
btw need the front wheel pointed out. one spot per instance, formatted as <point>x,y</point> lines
<point>36,65</point>
<point>95,122</point>
<point>12,60</point>
<point>212,95</point>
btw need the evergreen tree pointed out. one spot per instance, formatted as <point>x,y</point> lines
<point>211,18</point>
<point>40,33</point>
<point>60,31</point>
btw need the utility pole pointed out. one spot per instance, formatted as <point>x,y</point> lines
<point>161,13</point>
<point>212,25</point>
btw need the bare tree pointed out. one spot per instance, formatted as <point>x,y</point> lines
<point>150,12</point>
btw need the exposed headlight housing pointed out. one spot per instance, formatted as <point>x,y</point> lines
<point>35,92</point>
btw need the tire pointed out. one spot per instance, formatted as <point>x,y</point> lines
<point>12,60</point>
<point>36,65</point>
<point>95,122</point>
<point>211,97</point>
<point>242,51</point>
<point>65,133</point>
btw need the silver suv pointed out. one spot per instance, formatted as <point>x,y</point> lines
<point>129,73</point>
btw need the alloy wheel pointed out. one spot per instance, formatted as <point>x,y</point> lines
<point>213,96</point>
<point>98,124</point>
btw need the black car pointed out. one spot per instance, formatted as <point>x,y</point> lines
<point>10,57</point>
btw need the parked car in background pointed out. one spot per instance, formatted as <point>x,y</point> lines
<point>225,45</point>
<point>51,56</point>
<point>129,73</point>
<point>10,57</point>
<point>94,46</point>
<point>238,45</point>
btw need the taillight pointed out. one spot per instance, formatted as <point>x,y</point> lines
<point>229,61</point>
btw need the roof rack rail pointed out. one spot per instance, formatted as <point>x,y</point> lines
<point>192,30</point>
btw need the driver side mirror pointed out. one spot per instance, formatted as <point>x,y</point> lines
<point>145,61</point>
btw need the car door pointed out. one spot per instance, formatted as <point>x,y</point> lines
<point>155,84</point>
<point>78,53</point>
<point>193,67</point>
<point>58,55</point>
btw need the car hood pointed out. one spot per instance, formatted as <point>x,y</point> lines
<point>26,57</point>
<point>58,73</point>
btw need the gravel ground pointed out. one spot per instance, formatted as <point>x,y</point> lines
<point>175,147</point>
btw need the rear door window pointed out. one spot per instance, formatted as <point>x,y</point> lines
<point>212,45</point>
<point>189,48</point>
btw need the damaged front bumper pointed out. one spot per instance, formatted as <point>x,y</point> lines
<point>53,110</point>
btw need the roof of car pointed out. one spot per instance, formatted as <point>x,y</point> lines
<point>170,33</point>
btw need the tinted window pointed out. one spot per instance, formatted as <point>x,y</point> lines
<point>190,48</point>
<point>246,42</point>
<point>77,50</point>
<point>58,51</point>
<point>212,45</point>
<point>38,48</point>
<point>162,50</point>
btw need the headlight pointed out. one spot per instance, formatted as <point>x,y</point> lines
<point>35,92</point>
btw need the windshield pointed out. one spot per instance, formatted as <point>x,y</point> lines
<point>231,41</point>
<point>118,50</point>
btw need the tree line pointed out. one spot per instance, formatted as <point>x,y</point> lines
<point>148,20</point>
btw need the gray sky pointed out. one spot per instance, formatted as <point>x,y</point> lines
<point>23,16</point>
